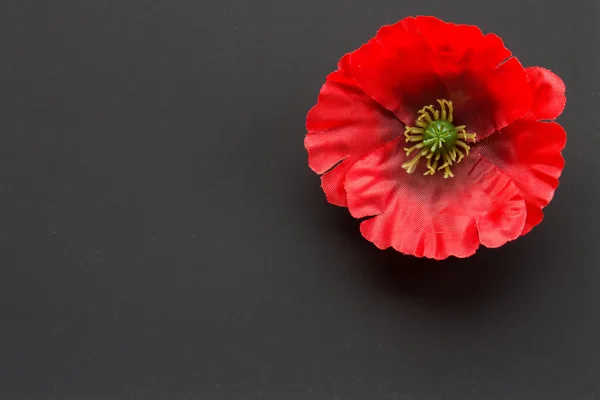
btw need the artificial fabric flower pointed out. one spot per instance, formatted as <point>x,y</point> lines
<point>438,138</point>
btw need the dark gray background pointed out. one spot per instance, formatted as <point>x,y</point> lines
<point>163,238</point>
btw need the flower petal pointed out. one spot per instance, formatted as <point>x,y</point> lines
<point>344,125</point>
<point>332,182</point>
<point>429,216</point>
<point>394,68</point>
<point>549,97</point>
<point>457,45</point>
<point>410,64</point>
<point>490,100</point>
<point>530,153</point>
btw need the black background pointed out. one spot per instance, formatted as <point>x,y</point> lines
<point>163,238</point>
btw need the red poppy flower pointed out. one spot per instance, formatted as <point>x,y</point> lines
<point>439,138</point>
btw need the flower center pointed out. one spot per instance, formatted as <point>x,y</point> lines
<point>437,139</point>
<point>440,133</point>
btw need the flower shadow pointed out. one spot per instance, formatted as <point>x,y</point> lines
<point>451,283</point>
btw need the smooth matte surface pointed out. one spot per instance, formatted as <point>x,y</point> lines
<point>163,238</point>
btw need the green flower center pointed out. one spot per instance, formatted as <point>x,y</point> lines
<point>440,133</point>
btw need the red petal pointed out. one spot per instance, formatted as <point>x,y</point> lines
<point>457,45</point>
<point>548,89</point>
<point>394,68</point>
<point>530,153</point>
<point>412,63</point>
<point>491,100</point>
<point>344,125</point>
<point>429,216</point>
<point>332,182</point>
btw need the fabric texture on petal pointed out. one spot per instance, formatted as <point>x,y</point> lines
<point>530,153</point>
<point>491,100</point>
<point>344,125</point>
<point>431,216</point>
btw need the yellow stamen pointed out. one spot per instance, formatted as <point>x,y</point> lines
<point>429,156</point>
<point>463,145</point>
<point>426,116</point>
<point>468,136</point>
<point>414,138</point>
<point>410,129</point>
<point>412,164</point>
<point>421,123</point>
<point>452,155</point>
<point>461,155</point>
<point>448,173</point>
<point>443,107</point>
<point>447,162</point>
<point>432,168</point>
<point>411,149</point>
